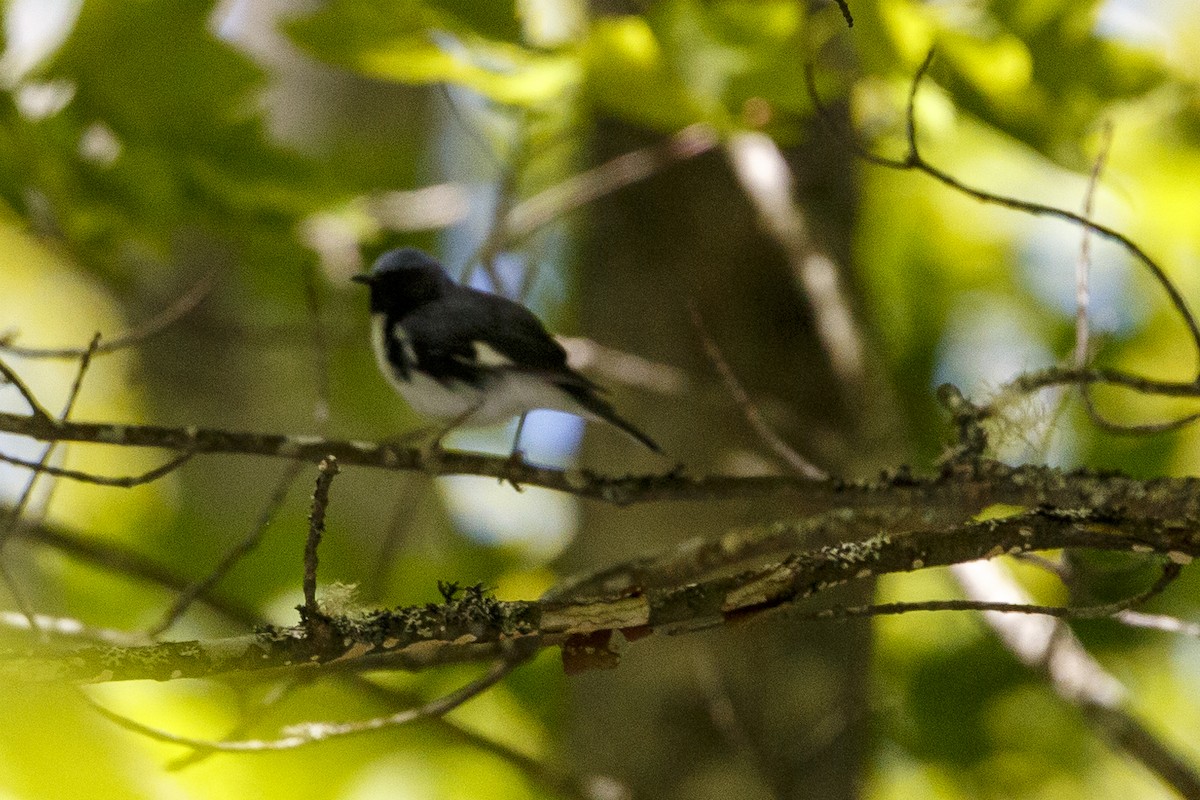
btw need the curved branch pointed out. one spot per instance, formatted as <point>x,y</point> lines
<point>308,733</point>
<point>123,481</point>
<point>914,161</point>
<point>184,305</point>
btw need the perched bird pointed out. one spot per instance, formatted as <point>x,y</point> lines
<point>466,357</point>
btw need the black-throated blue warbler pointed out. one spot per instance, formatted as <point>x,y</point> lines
<point>467,357</point>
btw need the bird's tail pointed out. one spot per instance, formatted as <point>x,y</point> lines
<point>603,410</point>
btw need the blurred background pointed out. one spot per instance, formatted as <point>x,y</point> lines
<point>651,178</point>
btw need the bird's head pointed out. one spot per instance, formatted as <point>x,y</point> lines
<point>403,279</point>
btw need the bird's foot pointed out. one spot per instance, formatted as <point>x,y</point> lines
<point>512,466</point>
<point>432,452</point>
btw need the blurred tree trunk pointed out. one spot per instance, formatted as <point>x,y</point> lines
<point>775,710</point>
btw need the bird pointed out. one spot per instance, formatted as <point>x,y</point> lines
<point>465,357</point>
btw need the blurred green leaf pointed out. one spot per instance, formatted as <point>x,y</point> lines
<point>162,133</point>
<point>1037,70</point>
<point>468,44</point>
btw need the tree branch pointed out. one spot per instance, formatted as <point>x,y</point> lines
<point>476,627</point>
<point>960,492</point>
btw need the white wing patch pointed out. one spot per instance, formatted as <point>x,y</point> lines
<point>488,356</point>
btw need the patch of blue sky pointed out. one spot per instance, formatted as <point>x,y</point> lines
<point>1046,268</point>
<point>540,521</point>
<point>988,340</point>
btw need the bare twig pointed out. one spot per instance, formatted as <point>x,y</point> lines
<point>26,609</point>
<point>506,193</point>
<point>120,559</point>
<point>18,509</point>
<point>724,715</point>
<point>183,306</point>
<point>748,407</point>
<point>530,215</point>
<point>914,161</point>
<point>274,696</point>
<point>1083,265</point>
<point>844,7</point>
<point>327,469</point>
<point>124,482</point>
<point>1105,611</point>
<point>1082,273</point>
<point>308,733</point>
<point>556,780</point>
<point>36,408</point>
<point>953,493</point>
<point>620,367</point>
<point>1159,622</point>
<point>202,587</point>
<point>472,131</point>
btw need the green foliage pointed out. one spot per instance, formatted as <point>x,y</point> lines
<point>471,44</point>
<point>157,162</point>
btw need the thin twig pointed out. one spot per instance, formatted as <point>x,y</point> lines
<point>844,7</point>
<point>26,609</point>
<point>239,551</point>
<point>122,560</point>
<point>1159,622</point>
<point>1082,329</point>
<point>1083,265</point>
<point>554,779</point>
<point>1104,611</point>
<point>621,367</point>
<point>36,408</point>
<point>724,715</point>
<point>748,407</point>
<point>274,696</point>
<point>327,469</point>
<point>308,733</point>
<point>18,510</point>
<point>553,203</point>
<point>506,193</point>
<point>124,482</point>
<point>472,131</point>
<point>183,306</point>
<point>913,160</point>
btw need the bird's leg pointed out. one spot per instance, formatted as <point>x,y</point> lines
<point>431,451</point>
<point>516,459</point>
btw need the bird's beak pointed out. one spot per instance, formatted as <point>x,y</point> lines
<point>363,277</point>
